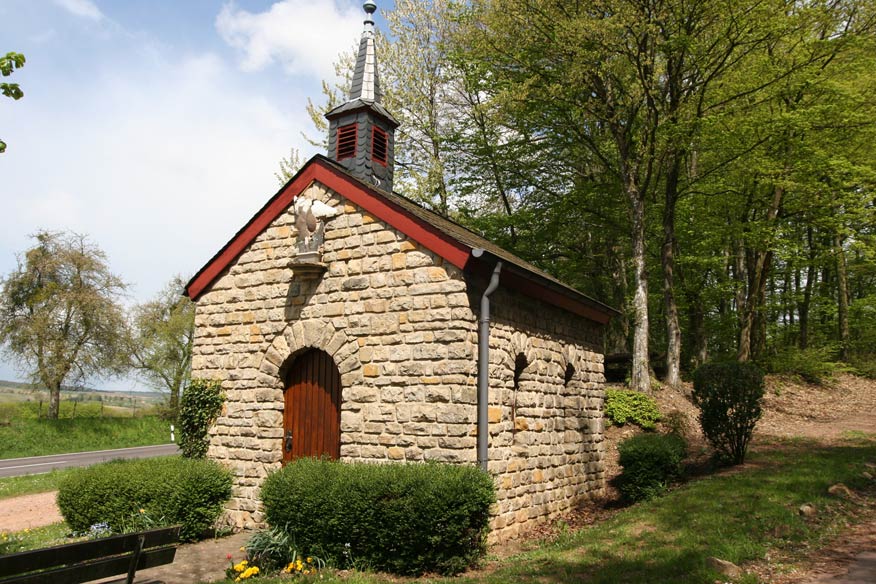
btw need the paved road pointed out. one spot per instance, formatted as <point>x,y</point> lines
<point>11,467</point>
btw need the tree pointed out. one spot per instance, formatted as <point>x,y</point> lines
<point>9,63</point>
<point>289,166</point>
<point>60,312</point>
<point>160,340</point>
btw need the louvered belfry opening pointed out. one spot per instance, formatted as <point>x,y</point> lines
<point>367,150</point>
<point>379,145</point>
<point>347,142</point>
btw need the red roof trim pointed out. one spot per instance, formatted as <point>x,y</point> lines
<point>429,237</point>
<point>454,252</point>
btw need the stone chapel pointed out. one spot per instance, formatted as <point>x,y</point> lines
<point>346,321</point>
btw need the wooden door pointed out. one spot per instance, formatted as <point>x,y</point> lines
<point>312,415</point>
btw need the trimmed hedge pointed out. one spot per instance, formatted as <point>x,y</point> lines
<point>626,405</point>
<point>401,518</point>
<point>168,490</point>
<point>650,462</point>
<point>729,396</point>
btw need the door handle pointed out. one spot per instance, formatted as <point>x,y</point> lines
<point>288,441</point>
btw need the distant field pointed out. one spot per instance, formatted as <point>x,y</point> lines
<point>94,427</point>
<point>82,402</point>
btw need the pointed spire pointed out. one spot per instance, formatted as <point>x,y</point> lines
<point>361,132</point>
<point>366,83</point>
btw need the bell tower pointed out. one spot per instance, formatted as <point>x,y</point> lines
<point>361,131</point>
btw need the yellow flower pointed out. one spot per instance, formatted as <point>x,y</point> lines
<point>248,573</point>
<point>241,566</point>
<point>142,510</point>
<point>309,560</point>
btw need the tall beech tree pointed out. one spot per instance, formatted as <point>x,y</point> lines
<point>60,313</point>
<point>724,145</point>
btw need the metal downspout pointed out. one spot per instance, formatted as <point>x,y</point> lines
<point>484,362</point>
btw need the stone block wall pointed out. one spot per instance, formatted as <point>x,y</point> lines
<point>400,325</point>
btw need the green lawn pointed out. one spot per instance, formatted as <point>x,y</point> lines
<point>23,434</point>
<point>30,484</point>
<point>738,515</point>
<point>40,537</point>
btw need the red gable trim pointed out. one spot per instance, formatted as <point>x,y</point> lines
<point>429,237</point>
<point>454,252</point>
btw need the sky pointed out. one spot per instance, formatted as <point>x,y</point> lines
<point>156,127</point>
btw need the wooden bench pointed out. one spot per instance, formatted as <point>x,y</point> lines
<point>74,563</point>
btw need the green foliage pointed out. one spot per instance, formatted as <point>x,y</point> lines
<point>22,434</point>
<point>60,312</point>
<point>129,494</point>
<point>201,405</point>
<point>864,366</point>
<point>624,405</point>
<point>650,462</point>
<point>814,365</point>
<point>400,518</point>
<point>160,341</point>
<point>729,397</point>
<point>271,549</point>
<point>676,422</point>
<point>9,63</point>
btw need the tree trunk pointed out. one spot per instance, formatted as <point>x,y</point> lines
<point>758,275</point>
<point>54,401</point>
<point>843,291</point>
<point>696,314</point>
<point>640,379</point>
<point>667,257</point>
<point>803,308</point>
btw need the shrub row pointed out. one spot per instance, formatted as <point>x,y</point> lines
<point>168,491</point>
<point>650,462</point>
<point>405,519</point>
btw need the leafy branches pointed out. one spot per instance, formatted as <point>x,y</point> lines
<point>9,63</point>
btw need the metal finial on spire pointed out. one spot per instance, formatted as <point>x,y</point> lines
<point>370,8</point>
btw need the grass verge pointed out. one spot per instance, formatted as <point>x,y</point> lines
<point>23,434</point>
<point>31,484</point>
<point>30,539</point>
<point>739,515</point>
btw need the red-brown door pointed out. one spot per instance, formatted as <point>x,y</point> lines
<point>312,415</point>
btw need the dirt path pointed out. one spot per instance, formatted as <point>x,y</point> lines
<point>28,511</point>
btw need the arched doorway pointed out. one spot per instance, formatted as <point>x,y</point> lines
<point>312,411</point>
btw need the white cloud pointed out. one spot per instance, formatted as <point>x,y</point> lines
<point>83,8</point>
<point>305,36</point>
<point>160,166</point>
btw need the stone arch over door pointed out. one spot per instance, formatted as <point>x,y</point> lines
<point>312,407</point>
<point>294,341</point>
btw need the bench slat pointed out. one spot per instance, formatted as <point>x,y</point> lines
<point>96,569</point>
<point>84,550</point>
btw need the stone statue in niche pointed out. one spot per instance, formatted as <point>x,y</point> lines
<point>310,219</point>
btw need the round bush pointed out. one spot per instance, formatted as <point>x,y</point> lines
<point>167,490</point>
<point>728,396</point>
<point>400,518</point>
<point>624,405</point>
<point>650,462</point>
